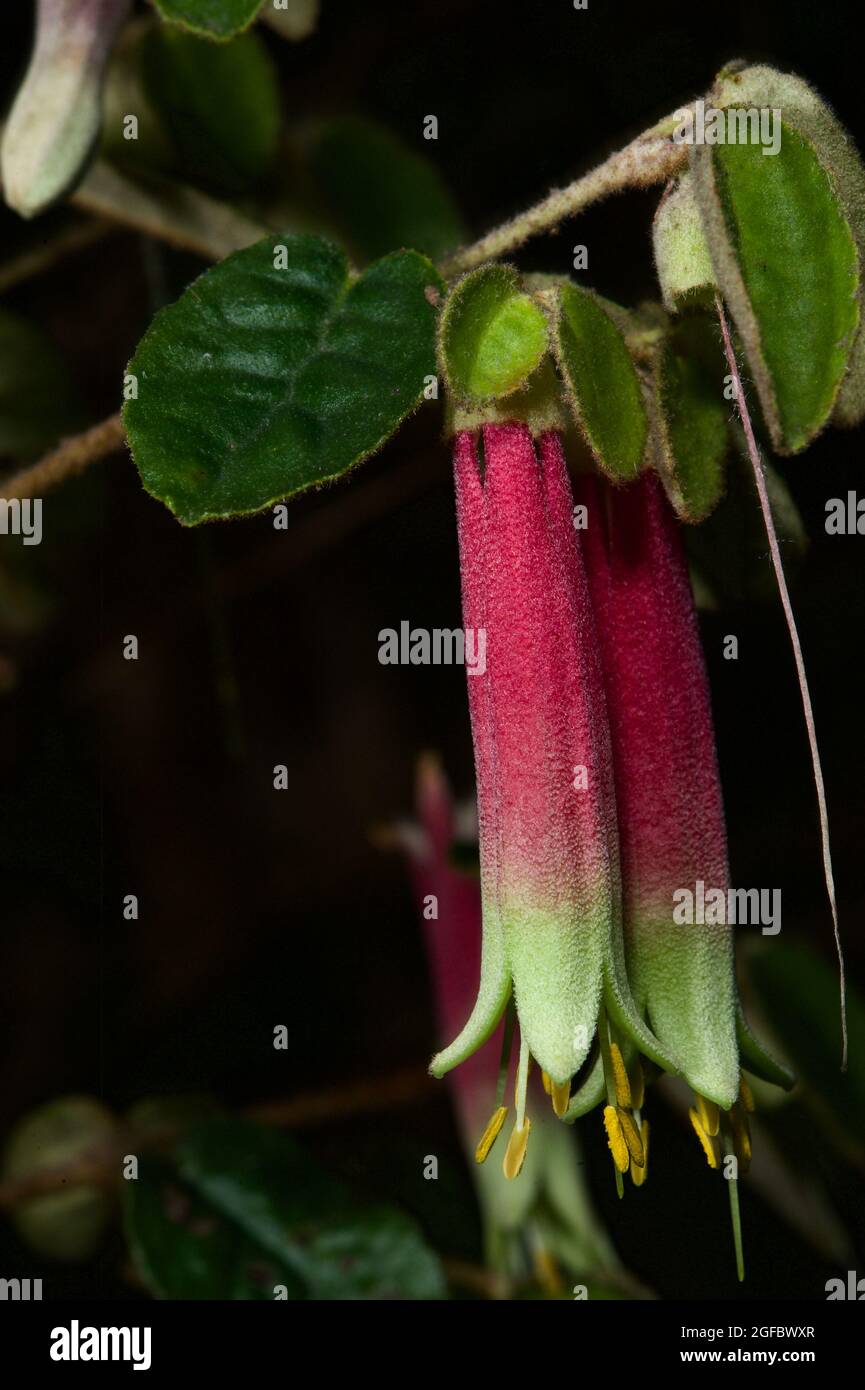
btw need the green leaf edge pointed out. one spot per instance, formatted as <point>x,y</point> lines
<point>351,278</point>
<point>663,459</point>
<point>207,33</point>
<point>617,317</point>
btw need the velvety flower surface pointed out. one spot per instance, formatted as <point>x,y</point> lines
<point>668,792</point>
<point>548,833</point>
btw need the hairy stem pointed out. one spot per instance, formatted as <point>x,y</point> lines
<point>774,549</point>
<point>71,457</point>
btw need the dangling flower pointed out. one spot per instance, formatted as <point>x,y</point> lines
<point>671,820</point>
<point>544,1226</point>
<point>548,834</point>
<point>55,120</point>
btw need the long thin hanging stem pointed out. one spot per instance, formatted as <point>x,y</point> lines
<point>775,552</point>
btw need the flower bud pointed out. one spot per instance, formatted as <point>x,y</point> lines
<point>55,119</point>
<point>681,253</point>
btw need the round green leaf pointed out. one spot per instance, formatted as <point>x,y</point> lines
<point>601,381</point>
<point>691,418</point>
<point>383,193</point>
<point>786,261</point>
<point>218,102</point>
<point>276,372</point>
<point>217,19</point>
<point>492,335</point>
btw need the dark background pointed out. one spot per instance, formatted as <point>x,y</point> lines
<point>259,907</point>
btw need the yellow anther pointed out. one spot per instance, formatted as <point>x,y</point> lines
<point>620,1078</point>
<point>638,1085</point>
<point>548,1085</point>
<point>708,1147</point>
<point>616,1140</point>
<point>491,1133</point>
<point>741,1137</point>
<point>632,1136</point>
<point>515,1153</point>
<point>561,1095</point>
<point>639,1174</point>
<point>710,1115</point>
<point>746,1095</point>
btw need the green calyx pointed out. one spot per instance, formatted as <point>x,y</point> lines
<point>492,336</point>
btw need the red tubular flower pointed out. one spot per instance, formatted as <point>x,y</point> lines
<point>671,819</point>
<point>548,839</point>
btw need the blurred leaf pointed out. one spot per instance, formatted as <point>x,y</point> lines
<point>63,1225</point>
<point>384,194</point>
<point>729,550</point>
<point>218,102</point>
<point>264,1183</point>
<point>692,436</point>
<point>601,381</point>
<point>184,1249</point>
<point>492,336</point>
<point>217,19</point>
<point>786,261</point>
<point>38,401</point>
<point>262,381</point>
<point>798,992</point>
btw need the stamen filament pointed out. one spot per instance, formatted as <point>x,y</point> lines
<point>505,1057</point>
<point>522,1082</point>
<point>736,1219</point>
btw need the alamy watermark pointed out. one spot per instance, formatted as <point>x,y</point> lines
<point>20,1290</point>
<point>751,907</point>
<point>438,646</point>
<point>22,518</point>
<point>736,125</point>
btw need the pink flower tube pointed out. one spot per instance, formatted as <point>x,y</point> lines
<point>548,836</point>
<point>671,819</point>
